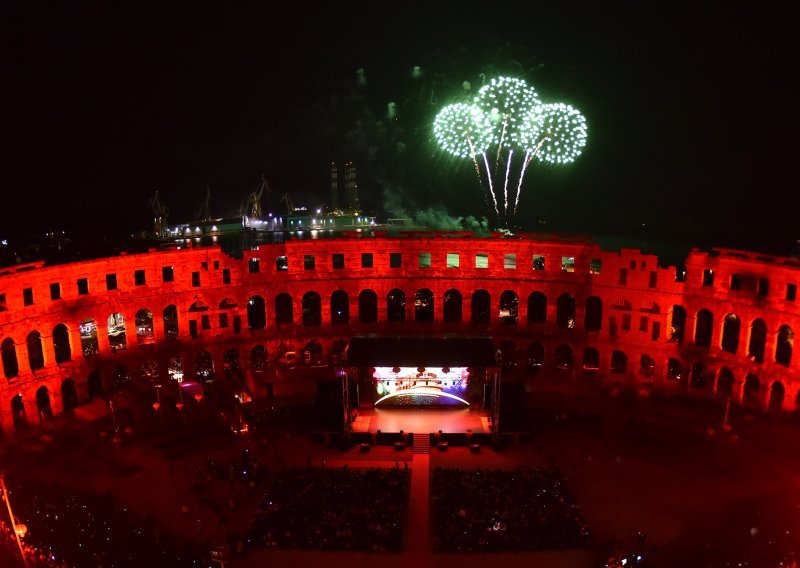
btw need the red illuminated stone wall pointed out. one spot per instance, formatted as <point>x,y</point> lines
<point>637,298</point>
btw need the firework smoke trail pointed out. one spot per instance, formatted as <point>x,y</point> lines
<point>491,189</point>
<point>528,157</point>
<point>505,186</point>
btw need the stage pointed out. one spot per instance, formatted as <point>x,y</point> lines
<point>421,420</point>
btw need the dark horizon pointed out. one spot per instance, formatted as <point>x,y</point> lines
<point>688,135</point>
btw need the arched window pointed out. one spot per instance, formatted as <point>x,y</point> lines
<point>10,364</point>
<point>509,302</point>
<point>423,306</point>
<point>591,359</point>
<point>699,378</point>
<point>452,306</point>
<point>725,382</point>
<point>204,366</point>
<point>144,327</point>
<point>43,404</point>
<point>198,306</point>
<point>563,356</point>
<point>758,340</point>
<point>284,314</point>
<point>565,311</point>
<point>396,306</point>
<point>117,337</point>
<point>35,353</point>
<point>312,310</point>
<point>258,358</point>
<point>674,370</point>
<point>95,384</point>
<point>593,318</point>
<point>61,343</point>
<point>368,306</point>
<point>537,308</point>
<point>228,304</point>
<point>783,351</point>
<point>69,396</point>
<point>677,324</point>
<point>752,388</point>
<point>619,362</point>
<point>704,324</point>
<point>340,308</point>
<point>170,318</point>
<point>481,307</point>
<point>730,333</point>
<point>18,412</point>
<point>777,392</point>
<point>256,313</point>
<point>647,366</point>
<point>535,355</point>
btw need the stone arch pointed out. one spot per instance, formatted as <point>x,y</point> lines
<point>647,366</point>
<point>204,367</point>
<point>703,328</point>
<point>69,396</point>
<point>43,406</point>
<point>18,411</point>
<point>396,306</point>
<point>259,358</point>
<point>170,319</point>
<point>145,333</point>
<point>423,306</point>
<point>117,336</point>
<point>619,362</point>
<point>593,315</point>
<point>725,382</point>
<point>35,352</point>
<point>756,347</point>
<point>563,356</point>
<point>340,308</point>
<point>88,333</point>
<point>537,308</point>
<point>10,363</point>
<point>591,359</point>
<point>453,306</point>
<point>256,312</point>
<point>509,308</point>
<point>674,369</point>
<point>535,355</point>
<point>783,350</point>
<point>677,324</point>
<point>777,392</point>
<point>699,376</point>
<point>284,311</point>
<point>312,309</point>
<point>481,307</point>
<point>730,333</point>
<point>565,311</point>
<point>751,391</point>
<point>198,306</point>
<point>367,306</point>
<point>61,344</point>
<point>95,385</point>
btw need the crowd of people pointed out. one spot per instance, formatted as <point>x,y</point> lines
<point>334,509</point>
<point>76,530</point>
<point>498,510</point>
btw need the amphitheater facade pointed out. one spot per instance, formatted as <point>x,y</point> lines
<point>569,310</point>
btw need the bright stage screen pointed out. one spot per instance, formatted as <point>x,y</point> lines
<point>410,386</point>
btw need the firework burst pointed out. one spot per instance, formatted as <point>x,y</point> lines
<point>507,115</point>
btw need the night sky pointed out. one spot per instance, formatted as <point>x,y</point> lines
<point>691,111</point>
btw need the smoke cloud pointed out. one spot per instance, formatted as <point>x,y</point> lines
<point>433,217</point>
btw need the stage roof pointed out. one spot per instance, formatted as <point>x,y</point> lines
<point>421,351</point>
